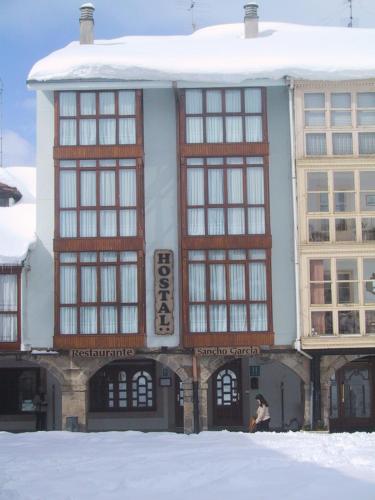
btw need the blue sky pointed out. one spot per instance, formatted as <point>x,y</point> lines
<point>30,29</point>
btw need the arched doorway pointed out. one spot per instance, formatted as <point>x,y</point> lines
<point>137,394</point>
<point>352,401</point>
<point>233,386</point>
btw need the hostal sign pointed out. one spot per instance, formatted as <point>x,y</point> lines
<point>163,275</point>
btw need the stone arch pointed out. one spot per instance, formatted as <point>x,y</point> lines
<point>331,366</point>
<point>209,365</point>
<point>53,364</point>
<point>297,363</point>
<point>176,363</point>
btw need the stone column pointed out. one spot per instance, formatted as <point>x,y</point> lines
<point>325,402</point>
<point>188,407</point>
<point>74,404</point>
<point>307,401</point>
<point>203,406</point>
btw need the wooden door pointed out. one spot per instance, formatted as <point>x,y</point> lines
<point>227,401</point>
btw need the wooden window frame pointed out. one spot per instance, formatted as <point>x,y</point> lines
<point>104,340</point>
<point>14,346</point>
<point>130,368</point>
<point>139,207</point>
<point>247,337</point>
<point>225,206</point>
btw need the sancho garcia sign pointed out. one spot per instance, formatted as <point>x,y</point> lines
<point>164,302</point>
<point>122,352</point>
<point>228,351</point>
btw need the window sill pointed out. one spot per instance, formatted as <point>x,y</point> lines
<point>104,341</point>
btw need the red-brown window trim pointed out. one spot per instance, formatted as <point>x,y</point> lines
<point>14,346</point>
<point>138,117</point>
<point>108,339</point>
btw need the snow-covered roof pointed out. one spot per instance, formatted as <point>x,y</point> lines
<point>219,54</point>
<point>17,223</point>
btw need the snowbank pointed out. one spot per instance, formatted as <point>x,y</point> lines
<point>166,466</point>
<point>18,222</point>
<point>220,54</point>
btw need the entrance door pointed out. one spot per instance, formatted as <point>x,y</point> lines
<point>355,408</point>
<point>227,403</point>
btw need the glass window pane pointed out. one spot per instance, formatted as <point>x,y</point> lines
<point>8,292</point>
<point>8,327</point>
<point>253,101</point>
<point>346,269</point>
<point>67,101</point>
<point>129,319</point>
<point>215,186</point>
<point>235,185</point>
<point>341,100</point>
<point>88,189</point>
<point>314,100</point>
<point>193,102</point>
<point>88,284</point>
<point>216,254</point>
<point>366,99</point>
<point>318,230</point>
<point>366,118</point>
<point>236,220</point>
<point>88,223</point>
<point>320,270</point>
<point>213,101</point>
<point>197,318</point>
<point>254,128</point>
<point>343,181</point>
<point>127,131</point>
<point>107,131</point>
<point>258,318</point>
<point>108,319</point>
<point>367,180</point>
<point>233,126</point>
<point>218,318</point>
<point>370,321</point>
<point>108,283</point>
<point>345,229</point>
<point>215,221</point>
<point>347,292</point>
<point>194,130</point>
<point>341,118</point>
<point>256,220</point>
<point>344,202</point>
<point>129,287</point>
<point>366,142</point>
<point>217,282</point>
<point>88,320</point>
<point>237,282</point>
<point>88,103</point>
<point>317,181</point>
<point>196,224</point>
<point>87,256</point>
<point>108,223</point>
<point>320,293</point>
<point>315,118</point>
<point>195,186</point>
<point>316,144</point>
<point>232,101</point>
<point>321,323</point>
<point>68,285</point>
<point>348,322</point>
<point>107,103</point>
<point>368,229</point>
<point>68,320</point>
<point>68,224</point>
<point>197,282</point>
<point>197,255</point>
<point>257,281</point>
<point>68,192</point>
<point>317,202</point>
<point>126,102</point>
<point>68,132</point>
<point>214,129</point>
<point>107,188</point>
<point>342,144</point>
<point>238,321</point>
<point>128,222</point>
<point>255,186</point>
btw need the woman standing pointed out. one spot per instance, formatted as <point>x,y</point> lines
<point>263,414</point>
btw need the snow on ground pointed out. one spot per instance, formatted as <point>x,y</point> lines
<point>18,222</point>
<point>219,53</point>
<point>166,466</point>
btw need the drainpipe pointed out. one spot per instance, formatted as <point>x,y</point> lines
<point>195,395</point>
<point>297,343</point>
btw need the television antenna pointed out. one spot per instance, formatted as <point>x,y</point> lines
<point>350,23</point>
<point>191,9</point>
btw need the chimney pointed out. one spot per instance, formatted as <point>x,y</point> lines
<point>251,20</point>
<point>86,24</point>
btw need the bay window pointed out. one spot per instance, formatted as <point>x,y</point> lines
<point>342,296</point>
<point>223,115</point>
<point>98,118</point>
<point>98,198</point>
<point>98,293</point>
<point>227,291</point>
<point>9,304</point>
<point>225,196</point>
